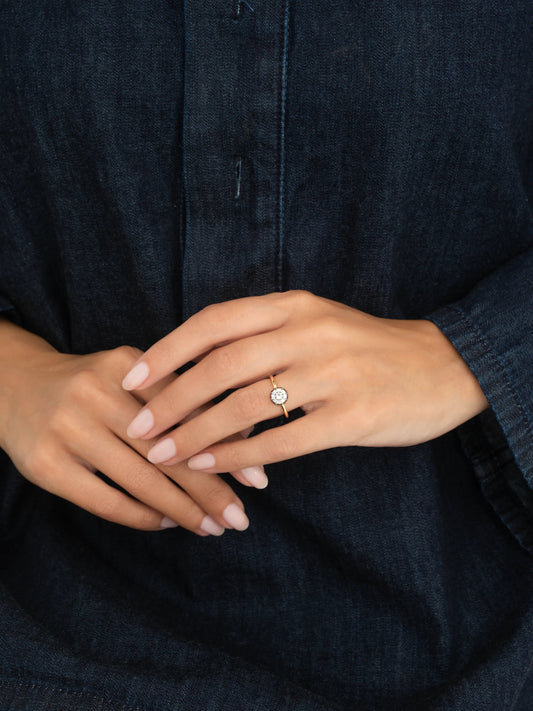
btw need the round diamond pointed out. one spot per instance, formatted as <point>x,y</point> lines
<point>279,396</point>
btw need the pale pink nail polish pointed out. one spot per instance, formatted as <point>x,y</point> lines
<point>255,476</point>
<point>166,449</point>
<point>167,522</point>
<point>141,425</point>
<point>235,517</point>
<point>136,376</point>
<point>210,526</point>
<point>201,461</point>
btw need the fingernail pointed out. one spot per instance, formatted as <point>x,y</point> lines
<point>201,461</point>
<point>167,522</point>
<point>235,517</point>
<point>255,476</point>
<point>162,451</point>
<point>247,431</point>
<point>141,425</point>
<point>212,527</point>
<point>136,376</point>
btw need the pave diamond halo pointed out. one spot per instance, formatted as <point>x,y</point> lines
<point>279,396</point>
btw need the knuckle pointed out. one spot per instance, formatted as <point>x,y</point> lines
<point>298,298</point>
<point>146,520</point>
<point>219,317</point>
<point>65,424</point>
<point>110,506</point>
<point>125,356</point>
<point>120,508</point>
<point>39,461</point>
<point>223,361</point>
<point>60,421</point>
<point>139,481</point>
<point>214,496</point>
<point>209,314</point>
<point>280,447</point>
<point>186,513</point>
<point>248,404</point>
<point>83,385</point>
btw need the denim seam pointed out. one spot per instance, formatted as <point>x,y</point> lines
<point>501,368</point>
<point>283,98</point>
<point>512,515</point>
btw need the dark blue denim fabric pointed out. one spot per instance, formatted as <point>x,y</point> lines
<point>156,157</point>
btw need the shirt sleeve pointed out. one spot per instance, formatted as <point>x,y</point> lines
<point>492,329</point>
<point>6,307</point>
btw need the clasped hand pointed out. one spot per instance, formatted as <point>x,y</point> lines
<point>360,380</point>
<point>63,418</point>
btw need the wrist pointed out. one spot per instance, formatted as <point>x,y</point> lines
<point>19,354</point>
<point>455,375</point>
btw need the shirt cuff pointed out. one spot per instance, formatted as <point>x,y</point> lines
<point>499,441</point>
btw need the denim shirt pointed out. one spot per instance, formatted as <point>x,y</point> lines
<point>158,156</point>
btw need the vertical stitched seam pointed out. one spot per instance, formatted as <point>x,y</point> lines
<point>238,172</point>
<point>281,205</point>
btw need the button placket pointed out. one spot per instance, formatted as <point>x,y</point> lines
<point>234,73</point>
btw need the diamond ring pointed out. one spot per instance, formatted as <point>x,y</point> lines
<point>279,396</point>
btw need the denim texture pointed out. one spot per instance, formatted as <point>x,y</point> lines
<point>157,157</point>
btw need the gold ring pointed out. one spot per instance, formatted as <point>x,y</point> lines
<point>279,396</point>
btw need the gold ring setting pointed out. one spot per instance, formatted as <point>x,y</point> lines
<point>279,396</point>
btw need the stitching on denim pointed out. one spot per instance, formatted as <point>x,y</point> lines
<point>238,4</point>
<point>238,173</point>
<point>283,97</point>
<point>512,515</point>
<point>36,685</point>
<point>501,367</point>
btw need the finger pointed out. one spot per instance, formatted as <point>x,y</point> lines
<point>144,396</point>
<point>303,436</point>
<point>247,361</point>
<point>213,496</point>
<point>250,476</point>
<point>143,481</point>
<point>242,408</point>
<point>72,481</point>
<point>213,325</point>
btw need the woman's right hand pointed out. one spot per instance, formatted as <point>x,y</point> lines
<point>63,417</point>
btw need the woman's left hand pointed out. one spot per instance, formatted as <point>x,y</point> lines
<point>360,379</point>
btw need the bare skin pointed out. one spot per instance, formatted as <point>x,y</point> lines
<point>362,380</point>
<point>63,417</point>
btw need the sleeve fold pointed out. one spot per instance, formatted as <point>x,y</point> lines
<point>492,329</point>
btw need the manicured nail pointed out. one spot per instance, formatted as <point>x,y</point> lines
<point>255,476</point>
<point>201,461</point>
<point>211,526</point>
<point>136,376</point>
<point>235,517</point>
<point>167,522</point>
<point>166,449</point>
<point>141,425</point>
